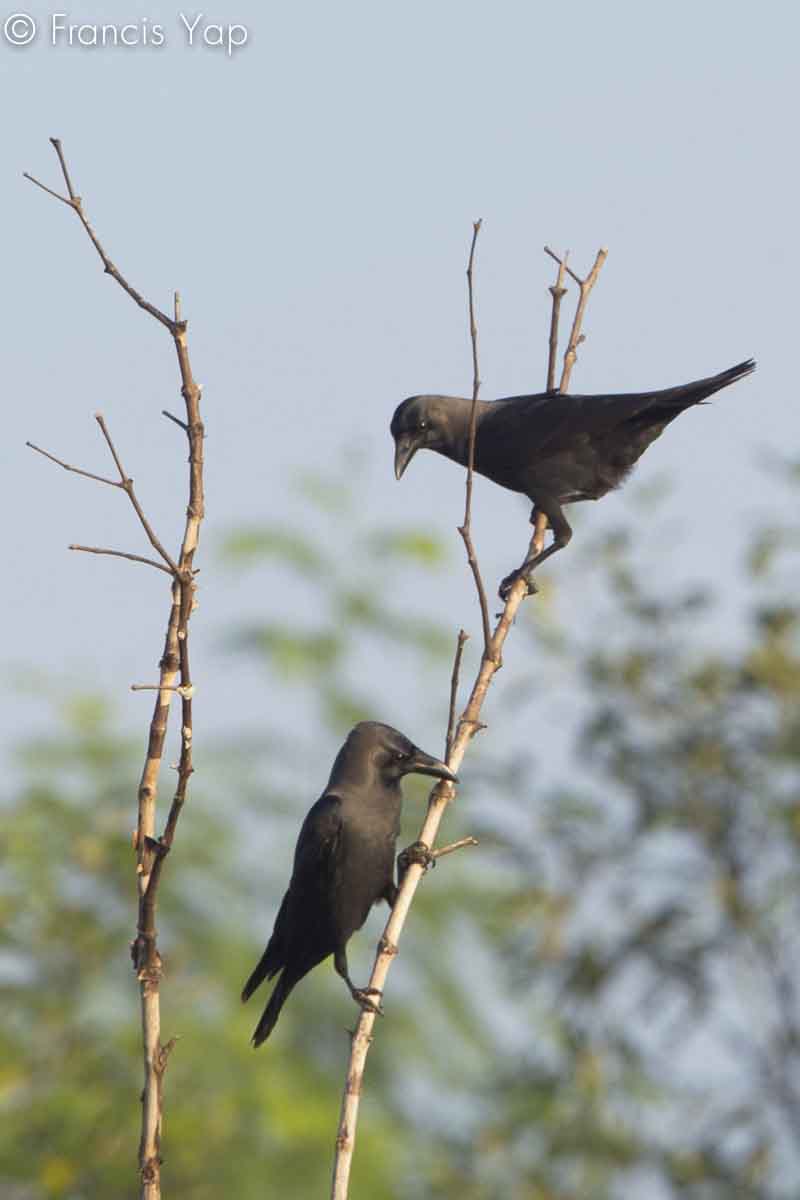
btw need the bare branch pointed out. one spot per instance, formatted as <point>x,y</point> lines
<point>576,337</point>
<point>558,292</point>
<point>181,689</point>
<point>466,528</point>
<point>50,192</point>
<point>151,562</point>
<point>563,264</point>
<point>76,204</point>
<point>56,142</point>
<point>174,676</point>
<point>459,845</point>
<point>126,484</point>
<point>177,420</point>
<point>76,470</point>
<point>98,416</point>
<point>539,531</point>
<point>451,719</point>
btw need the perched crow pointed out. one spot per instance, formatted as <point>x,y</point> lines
<point>343,863</point>
<point>553,448</point>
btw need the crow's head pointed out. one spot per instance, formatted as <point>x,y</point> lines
<point>422,422</point>
<point>393,755</point>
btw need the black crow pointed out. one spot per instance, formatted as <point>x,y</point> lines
<point>343,863</point>
<point>553,448</point>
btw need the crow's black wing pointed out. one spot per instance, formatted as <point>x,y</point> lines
<point>318,838</point>
<point>302,915</point>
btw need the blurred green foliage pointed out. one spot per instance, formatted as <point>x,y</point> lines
<point>601,1001</point>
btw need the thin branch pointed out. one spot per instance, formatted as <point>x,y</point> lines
<point>466,528</point>
<point>459,845</point>
<point>75,470</point>
<point>565,264</point>
<point>539,531</point>
<point>76,204</point>
<point>157,687</point>
<point>49,191</point>
<point>98,416</point>
<point>126,483</point>
<point>56,142</point>
<point>174,667</point>
<point>151,562</point>
<point>576,337</point>
<point>558,292</point>
<point>177,420</point>
<point>451,718</point>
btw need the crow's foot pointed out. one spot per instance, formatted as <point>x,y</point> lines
<point>505,587</point>
<point>418,853</point>
<point>362,999</point>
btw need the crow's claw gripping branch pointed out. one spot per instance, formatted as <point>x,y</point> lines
<point>418,853</point>
<point>362,999</point>
<point>509,581</point>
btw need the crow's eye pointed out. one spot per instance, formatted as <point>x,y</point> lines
<point>422,425</point>
<point>400,756</point>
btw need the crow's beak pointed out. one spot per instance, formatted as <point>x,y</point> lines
<point>405,448</point>
<point>424,764</point>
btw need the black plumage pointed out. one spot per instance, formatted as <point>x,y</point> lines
<point>555,449</point>
<point>343,863</point>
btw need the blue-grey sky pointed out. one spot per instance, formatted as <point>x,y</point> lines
<point>312,196</point>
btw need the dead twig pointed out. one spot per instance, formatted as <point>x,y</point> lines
<point>175,676</point>
<point>459,845</point>
<point>451,717</point>
<point>558,292</point>
<point>585,287</point>
<point>127,486</point>
<point>465,529</point>
<point>151,562</point>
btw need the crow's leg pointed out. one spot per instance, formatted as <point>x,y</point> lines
<point>360,995</point>
<point>562,533</point>
<point>389,893</point>
<point>417,852</point>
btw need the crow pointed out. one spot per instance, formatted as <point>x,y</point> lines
<point>343,863</point>
<point>553,448</point>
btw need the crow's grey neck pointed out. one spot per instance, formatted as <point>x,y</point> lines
<point>456,427</point>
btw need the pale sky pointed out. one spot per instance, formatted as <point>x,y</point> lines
<point>311,195</point>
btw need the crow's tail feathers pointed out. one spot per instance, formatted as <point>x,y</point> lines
<point>700,389</point>
<point>261,971</point>
<point>271,1013</point>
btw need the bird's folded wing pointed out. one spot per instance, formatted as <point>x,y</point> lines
<point>319,838</point>
<point>531,421</point>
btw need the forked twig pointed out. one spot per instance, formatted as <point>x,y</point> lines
<point>75,203</point>
<point>76,470</point>
<point>585,287</point>
<point>124,484</point>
